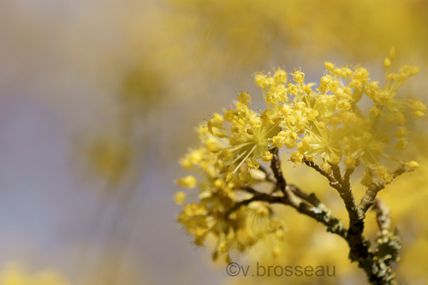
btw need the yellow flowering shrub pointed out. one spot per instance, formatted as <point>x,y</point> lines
<point>346,125</point>
<point>254,30</point>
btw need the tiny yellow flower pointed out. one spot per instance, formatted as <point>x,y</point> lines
<point>387,62</point>
<point>280,76</point>
<point>419,109</point>
<point>298,76</point>
<point>329,66</point>
<point>179,198</point>
<point>187,182</point>
<point>267,156</point>
<point>212,145</point>
<point>262,80</point>
<point>412,165</point>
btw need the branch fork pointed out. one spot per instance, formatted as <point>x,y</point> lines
<point>376,258</point>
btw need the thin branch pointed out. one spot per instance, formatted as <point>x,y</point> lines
<point>250,190</point>
<point>375,261</point>
<point>310,198</point>
<point>383,218</point>
<point>369,197</point>
<point>336,173</point>
<point>358,244</point>
<point>348,173</point>
<point>319,213</point>
<point>242,203</point>
<point>388,241</point>
<point>342,185</point>
<point>331,179</point>
<point>277,172</point>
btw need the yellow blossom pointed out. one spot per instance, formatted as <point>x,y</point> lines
<point>412,165</point>
<point>180,197</point>
<point>187,182</point>
<point>14,274</point>
<point>298,76</point>
<point>267,156</point>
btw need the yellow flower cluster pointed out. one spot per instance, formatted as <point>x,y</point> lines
<point>346,120</point>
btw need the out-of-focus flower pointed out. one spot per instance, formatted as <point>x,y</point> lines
<point>14,274</point>
<point>254,30</point>
<point>110,158</point>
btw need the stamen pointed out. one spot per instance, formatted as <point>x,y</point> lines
<point>245,158</point>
